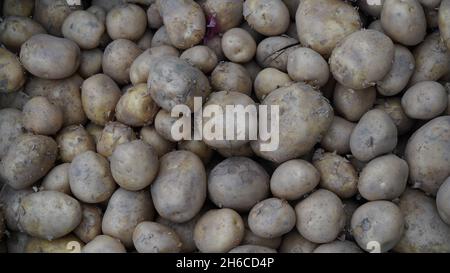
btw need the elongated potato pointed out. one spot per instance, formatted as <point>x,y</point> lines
<point>304,64</point>
<point>84,28</point>
<point>12,75</point>
<point>201,57</point>
<point>72,141</point>
<point>15,30</point>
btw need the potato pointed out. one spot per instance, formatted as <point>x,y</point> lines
<point>84,28</point>
<point>268,80</point>
<point>268,17</point>
<point>134,165</point>
<point>274,51</point>
<point>154,19</point>
<point>442,197</point>
<point>107,5</point>
<point>11,127</point>
<point>215,44</point>
<point>114,133</point>
<point>198,147</point>
<point>293,242</point>
<point>16,242</point>
<point>50,57</point>
<point>337,138</point>
<point>428,153</point>
<point>384,177</point>
<point>251,238</point>
<point>338,247</point>
<point>293,179</point>
<point>425,100</point>
<point>49,214</point>
<point>159,144</point>
<point>252,249</point>
<point>372,8</point>
<point>219,231</point>
<point>104,244</point>
<point>99,12</point>
<point>426,231</point>
<point>201,57</point>
<point>15,30</point>
<point>305,116</point>
<point>245,151</point>
<point>401,71</point>
<point>66,244</point>
<point>253,69</point>
<point>126,21</point>
<point>57,179</point>
<point>228,13</point>
<point>51,14</point>
<point>271,218</point>
<point>12,75</point>
<point>320,217</point>
<point>374,135</point>
<point>185,232</point>
<point>163,124</point>
<point>28,160</point>
<point>151,237</point>
<point>179,190</point>
<point>185,22</point>
<point>228,76</point>
<point>404,21</point>
<point>444,22</point>
<point>99,96</point>
<point>18,8</point>
<point>393,107</point>
<point>238,45</point>
<point>432,58</point>
<point>376,25</point>
<point>40,116</point>
<point>14,100</point>
<point>336,174</point>
<point>90,178</point>
<point>352,70</point>
<point>91,223</point>
<point>72,141</point>
<point>238,183</point>
<point>304,64</point>
<point>126,209</point>
<point>10,202</point>
<point>117,59</point>
<point>64,93</point>
<point>90,62</point>
<point>145,42</point>
<point>141,65</point>
<point>136,107</point>
<point>95,131</point>
<point>161,38</point>
<point>322,24</point>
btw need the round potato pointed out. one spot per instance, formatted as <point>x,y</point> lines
<point>90,178</point>
<point>425,100</point>
<point>18,7</point>
<point>293,179</point>
<point>99,12</point>
<point>268,17</point>
<point>126,209</point>
<point>185,231</point>
<point>219,231</point>
<point>51,14</point>
<point>84,28</point>
<point>15,30</point>
<point>179,190</point>
<point>352,70</point>
<point>28,160</point>
<point>337,174</point>
<point>228,76</point>
<point>57,179</point>
<point>374,135</point>
<point>12,75</point>
<point>322,24</point>
<point>393,107</point>
<point>227,13</point>
<point>337,138</point>
<point>11,127</point>
<point>90,62</point>
<point>127,21</point>
<point>442,197</point>
<point>50,57</point>
<point>320,217</point>
<point>201,57</point>
<point>428,153</point>
<point>238,45</point>
<point>72,141</point>
<point>274,51</point>
<point>151,237</point>
<point>238,183</point>
<point>114,133</point>
<point>304,64</point>
<point>293,242</point>
<point>338,247</point>
<point>159,144</point>
<point>252,249</point>
<point>353,104</point>
<point>117,59</point>
<point>104,244</point>
<point>161,38</point>
<point>42,117</point>
<point>269,79</point>
<point>154,19</point>
<point>10,202</point>
<point>404,21</point>
<point>49,214</point>
<point>271,218</point>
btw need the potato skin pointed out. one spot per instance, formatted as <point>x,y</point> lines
<point>51,14</point>
<point>269,79</point>
<point>198,147</point>
<point>18,7</point>
<point>90,178</point>
<point>72,141</point>
<point>185,231</point>
<point>117,59</point>
<point>238,183</point>
<point>66,244</point>
<point>425,100</point>
<point>154,19</point>
<point>251,238</point>
<point>322,24</point>
<point>49,214</point>
<point>40,116</point>
<point>10,201</point>
<point>50,57</point>
<point>126,21</point>
<point>353,104</point>
<point>91,223</point>
<point>427,154</point>
<point>374,135</point>
<point>114,133</point>
<point>426,232</point>
<point>293,242</point>
<point>443,21</point>
<point>304,64</point>
<point>15,30</point>
<point>268,17</point>
<point>126,209</point>
<point>90,62</point>
<point>393,107</point>
<point>219,231</point>
<point>320,217</point>
<point>57,179</point>
<point>84,28</point>
<point>159,144</point>
<point>228,13</point>
<point>12,75</point>
<point>442,203</point>
<point>201,57</point>
<point>152,237</point>
<point>338,247</point>
<point>337,138</point>
<point>305,118</point>
<point>351,69</point>
<point>11,127</point>
<point>184,20</point>
<point>238,45</point>
<point>404,21</point>
<point>161,38</point>
<point>179,190</point>
<point>28,160</point>
<point>104,244</point>
<point>274,51</point>
<point>228,76</point>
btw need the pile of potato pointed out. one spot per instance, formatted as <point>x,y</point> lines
<point>88,158</point>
